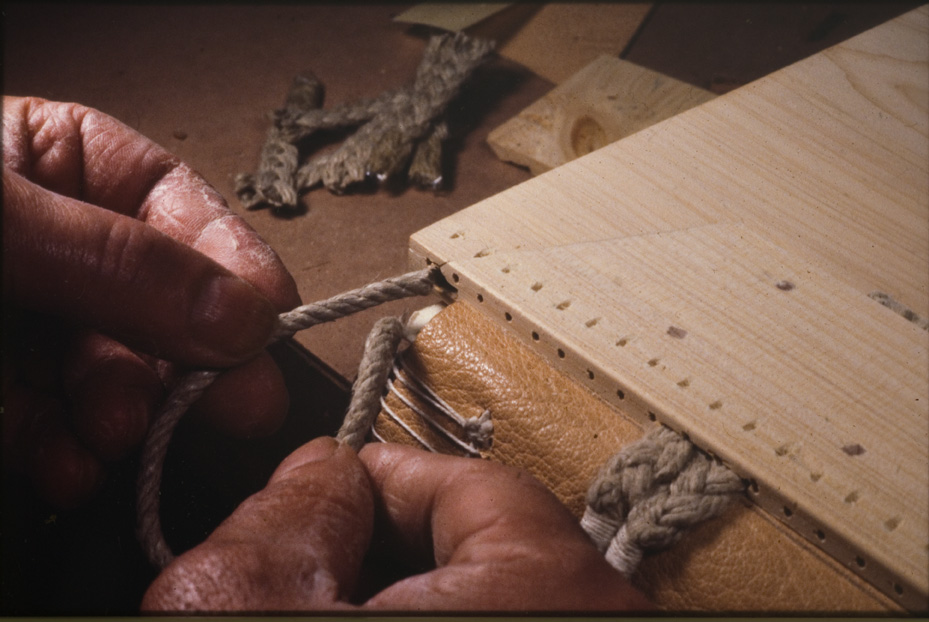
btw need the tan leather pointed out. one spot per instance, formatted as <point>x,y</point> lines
<point>562,433</point>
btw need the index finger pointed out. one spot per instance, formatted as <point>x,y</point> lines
<point>87,155</point>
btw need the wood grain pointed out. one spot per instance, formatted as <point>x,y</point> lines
<point>712,272</point>
<point>607,100</point>
<point>554,40</point>
<point>562,38</point>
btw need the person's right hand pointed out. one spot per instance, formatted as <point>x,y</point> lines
<point>121,267</point>
<point>486,538</point>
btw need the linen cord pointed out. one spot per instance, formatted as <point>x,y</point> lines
<point>650,493</point>
<point>363,408</point>
<point>400,128</point>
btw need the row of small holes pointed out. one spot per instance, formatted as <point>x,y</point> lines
<point>589,324</point>
<point>860,561</point>
<point>890,524</point>
<point>536,337</point>
<point>622,342</point>
<point>753,486</point>
<point>716,405</point>
<point>673,331</point>
<point>819,533</point>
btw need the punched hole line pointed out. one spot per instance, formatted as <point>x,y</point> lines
<point>192,386</point>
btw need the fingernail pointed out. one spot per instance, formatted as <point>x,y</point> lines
<point>231,321</point>
<point>317,450</point>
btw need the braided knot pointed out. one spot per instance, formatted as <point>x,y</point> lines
<point>650,493</point>
<point>401,128</point>
<point>480,430</point>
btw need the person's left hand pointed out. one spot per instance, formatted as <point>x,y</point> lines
<point>121,267</point>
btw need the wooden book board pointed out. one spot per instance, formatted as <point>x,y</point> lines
<point>717,272</point>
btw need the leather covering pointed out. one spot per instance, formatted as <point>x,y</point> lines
<point>550,425</point>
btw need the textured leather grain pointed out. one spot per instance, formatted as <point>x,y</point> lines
<point>548,424</point>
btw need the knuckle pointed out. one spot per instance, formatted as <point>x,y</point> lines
<point>125,253</point>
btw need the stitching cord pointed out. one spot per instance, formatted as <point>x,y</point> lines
<point>375,365</point>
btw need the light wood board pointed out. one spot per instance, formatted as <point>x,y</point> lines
<point>607,100</point>
<point>713,272</point>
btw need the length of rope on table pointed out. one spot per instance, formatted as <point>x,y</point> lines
<point>385,337</point>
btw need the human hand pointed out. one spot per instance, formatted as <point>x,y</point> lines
<point>121,265</point>
<point>486,537</point>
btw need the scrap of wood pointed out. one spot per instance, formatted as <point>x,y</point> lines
<point>604,102</point>
<point>563,38</point>
<point>554,40</point>
<point>453,17</point>
<point>756,225</point>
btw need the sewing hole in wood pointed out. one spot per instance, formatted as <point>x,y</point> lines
<point>677,333</point>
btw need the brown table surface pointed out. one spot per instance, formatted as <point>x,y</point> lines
<point>199,80</point>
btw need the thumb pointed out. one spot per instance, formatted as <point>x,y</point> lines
<point>118,275</point>
<point>296,545</point>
